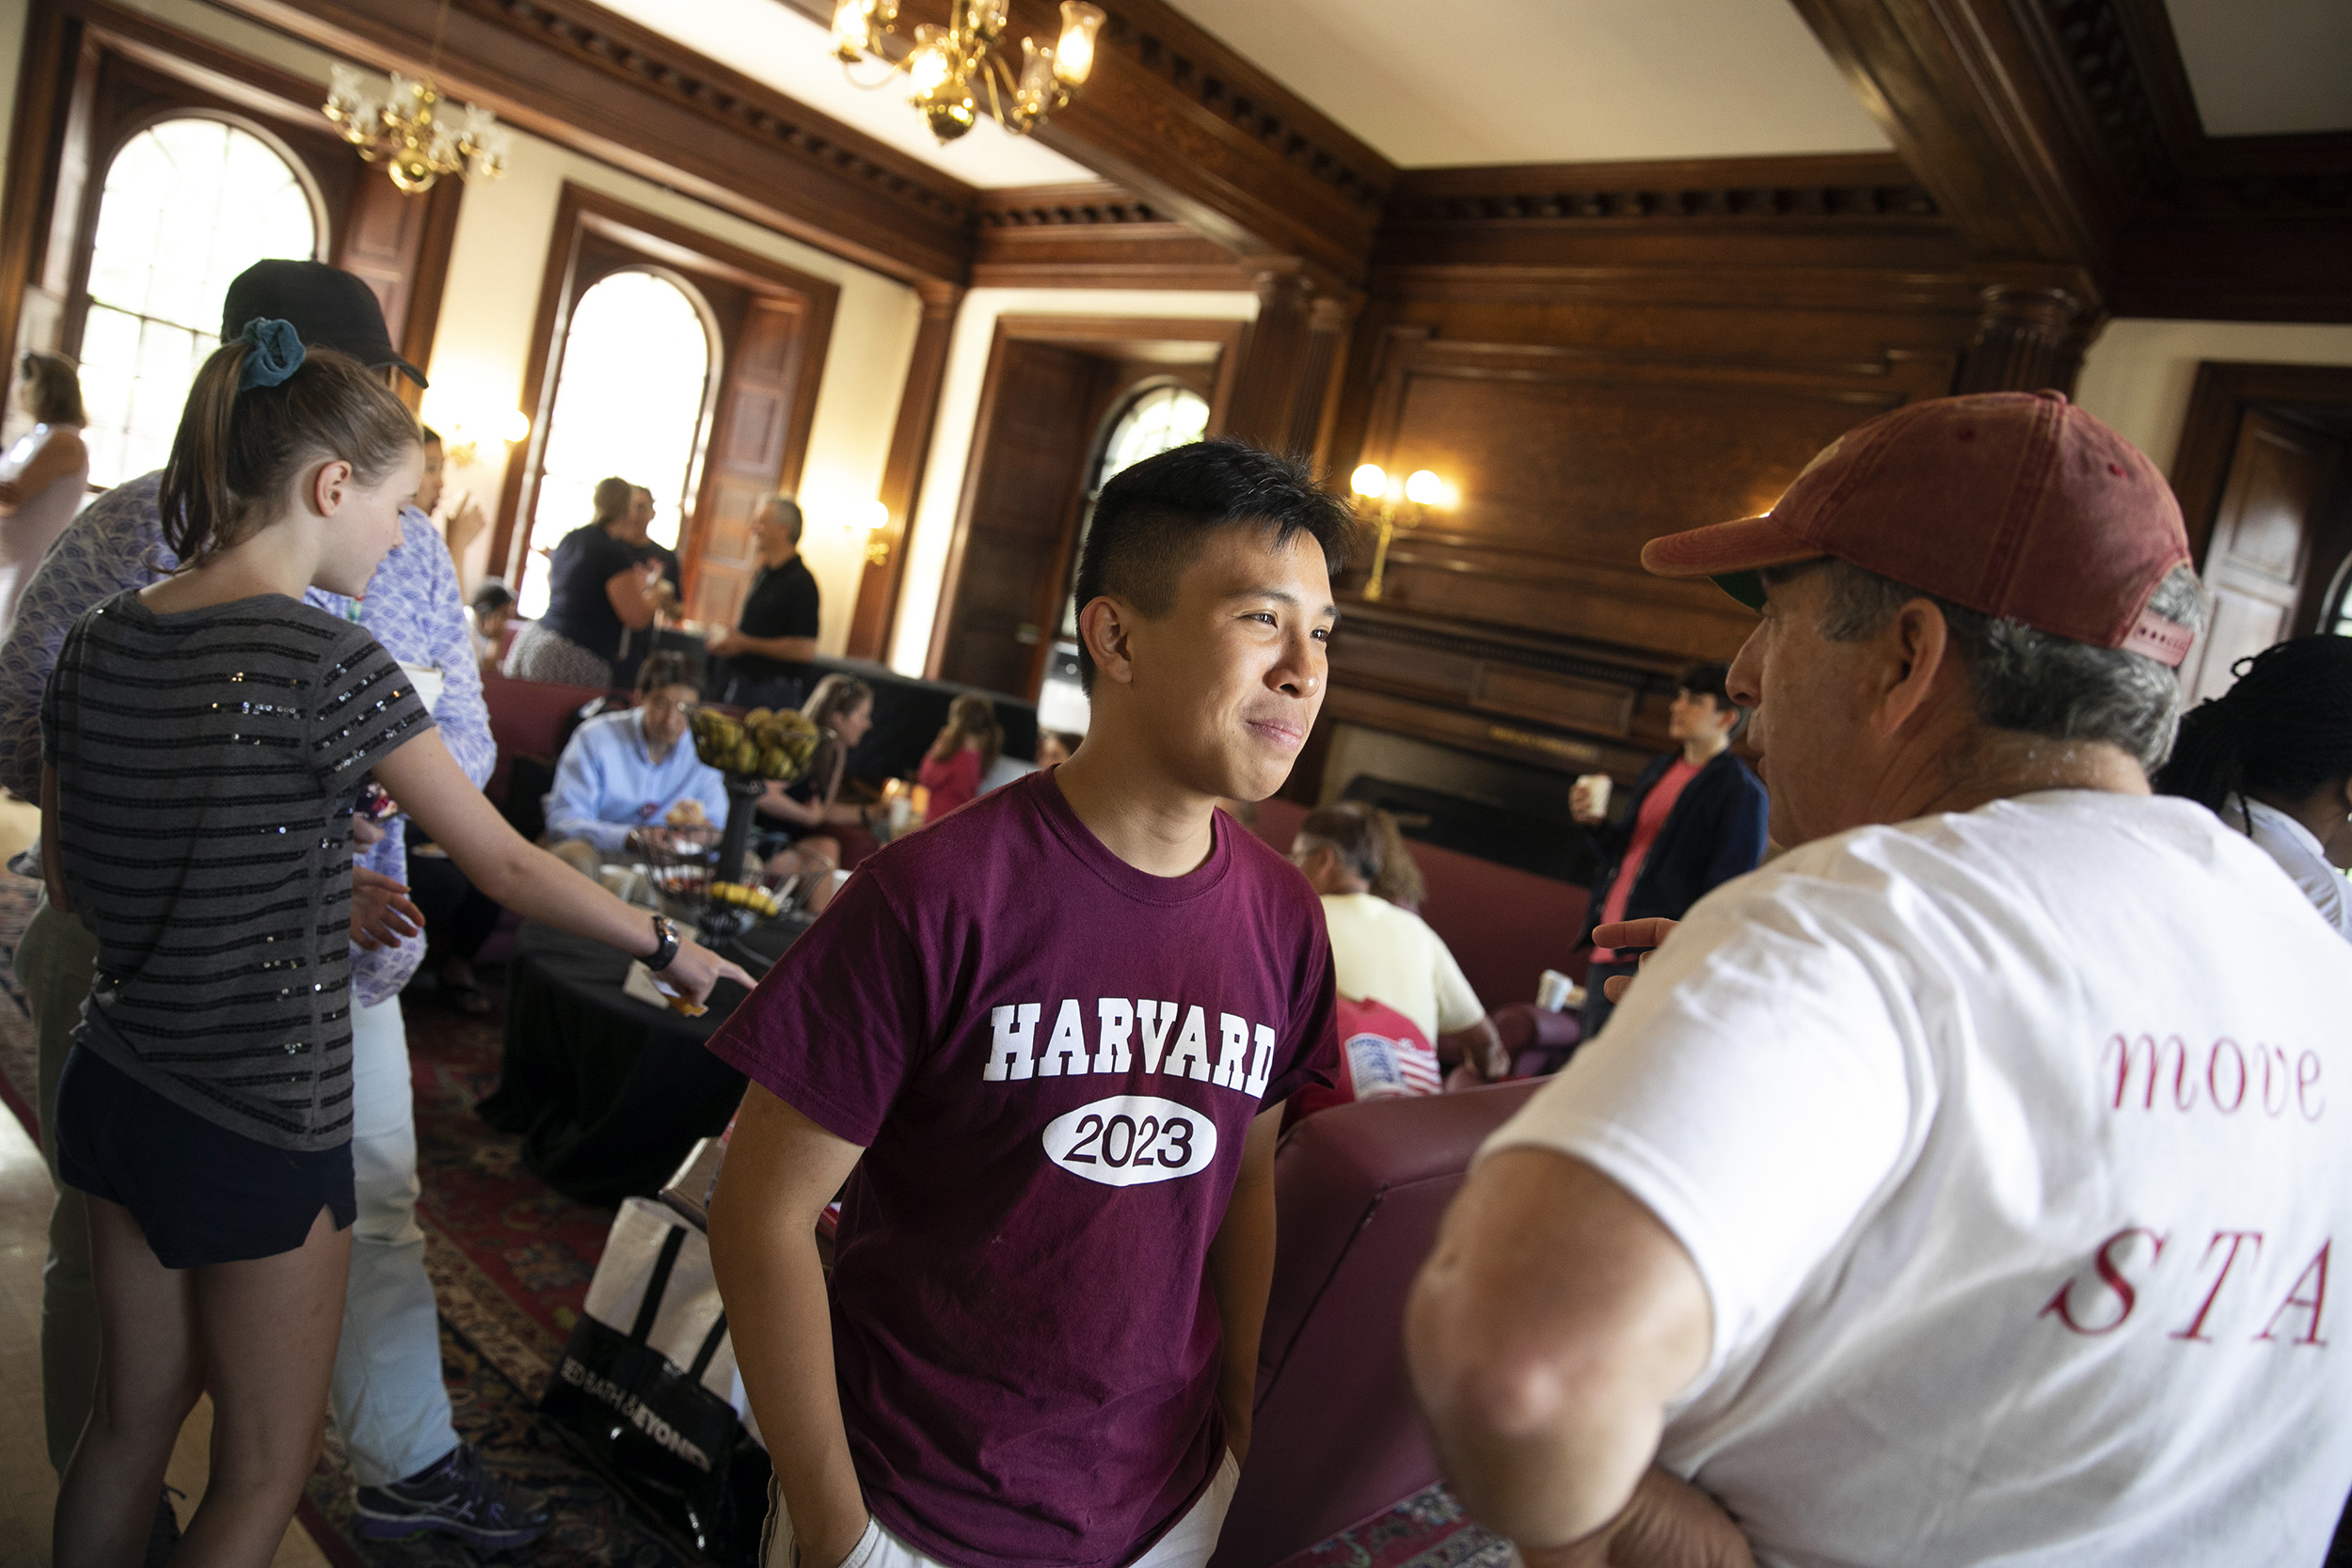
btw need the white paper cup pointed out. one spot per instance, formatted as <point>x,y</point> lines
<point>1554,991</point>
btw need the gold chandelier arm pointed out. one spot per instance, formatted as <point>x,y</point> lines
<point>891,69</point>
<point>1018,124</point>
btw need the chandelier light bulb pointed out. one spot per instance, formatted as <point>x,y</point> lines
<point>1369,481</point>
<point>1423,488</point>
<point>853,28</point>
<point>1074,57</point>
<point>928,68</point>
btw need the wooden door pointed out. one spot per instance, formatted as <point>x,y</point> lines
<point>744,460</point>
<point>1025,488</point>
<point>2261,549</point>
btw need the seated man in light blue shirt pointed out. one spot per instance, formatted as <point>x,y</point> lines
<point>623,773</point>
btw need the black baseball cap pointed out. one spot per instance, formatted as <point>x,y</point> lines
<point>325,304</point>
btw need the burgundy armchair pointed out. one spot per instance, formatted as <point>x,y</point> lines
<point>1338,1438</point>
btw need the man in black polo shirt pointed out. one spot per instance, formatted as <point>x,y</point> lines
<point>763,661</point>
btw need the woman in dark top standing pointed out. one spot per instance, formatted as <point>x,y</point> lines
<point>597,589</point>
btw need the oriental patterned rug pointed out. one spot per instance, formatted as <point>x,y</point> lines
<point>511,1260</point>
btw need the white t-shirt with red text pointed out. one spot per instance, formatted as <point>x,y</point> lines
<point>2011,1147</point>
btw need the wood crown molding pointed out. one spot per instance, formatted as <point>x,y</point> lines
<point>1838,187</point>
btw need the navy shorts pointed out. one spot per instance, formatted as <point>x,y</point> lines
<point>201,1192</point>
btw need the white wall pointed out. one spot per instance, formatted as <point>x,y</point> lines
<point>482,342</point>
<point>2138,374</point>
<point>934,524</point>
<point>13,15</point>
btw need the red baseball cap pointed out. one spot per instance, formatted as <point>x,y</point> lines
<point>2013,505</point>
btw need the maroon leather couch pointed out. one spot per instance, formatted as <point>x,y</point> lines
<point>1506,927</point>
<point>527,718</point>
<point>1338,1438</point>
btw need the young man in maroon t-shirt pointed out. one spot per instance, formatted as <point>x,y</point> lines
<point>1046,1042</point>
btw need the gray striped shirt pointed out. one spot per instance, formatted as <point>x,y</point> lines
<point>207,764</point>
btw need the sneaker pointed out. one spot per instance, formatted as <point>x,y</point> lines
<point>456,1496</point>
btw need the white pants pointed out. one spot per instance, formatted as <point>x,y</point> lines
<point>1187,1546</point>
<point>387,1396</point>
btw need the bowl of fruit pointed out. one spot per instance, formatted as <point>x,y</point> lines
<point>761,745</point>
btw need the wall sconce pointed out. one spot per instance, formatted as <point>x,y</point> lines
<point>1393,505</point>
<point>463,434</point>
<point>870,522</point>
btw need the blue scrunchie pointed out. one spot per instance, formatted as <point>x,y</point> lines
<point>273,353</point>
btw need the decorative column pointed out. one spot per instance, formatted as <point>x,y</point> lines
<point>877,607</point>
<point>2027,339</point>
<point>1290,360</point>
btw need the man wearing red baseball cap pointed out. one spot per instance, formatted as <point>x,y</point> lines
<point>1961,1186</point>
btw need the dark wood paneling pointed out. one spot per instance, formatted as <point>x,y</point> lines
<point>400,244</point>
<point>747,454</point>
<point>2219,402</point>
<point>2259,560</point>
<point>1092,236</point>
<point>1028,476</point>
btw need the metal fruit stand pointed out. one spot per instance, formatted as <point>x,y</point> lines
<point>697,868</point>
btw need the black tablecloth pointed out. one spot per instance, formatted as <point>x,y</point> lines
<point>609,1093</point>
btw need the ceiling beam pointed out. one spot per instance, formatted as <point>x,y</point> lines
<point>587,80</point>
<point>1976,106</point>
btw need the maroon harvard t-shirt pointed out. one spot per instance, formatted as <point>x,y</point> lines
<point>1053,1060</point>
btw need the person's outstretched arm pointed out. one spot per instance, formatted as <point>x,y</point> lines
<point>429,785</point>
<point>781,1171</point>
<point>1549,1329</point>
<point>1241,1272</point>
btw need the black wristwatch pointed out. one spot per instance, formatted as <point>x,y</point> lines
<point>666,934</point>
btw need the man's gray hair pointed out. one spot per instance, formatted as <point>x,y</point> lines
<point>785,511</point>
<point>2034,682</point>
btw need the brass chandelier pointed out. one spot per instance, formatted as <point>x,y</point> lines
<point>944,62</point>
<point>400,121</point>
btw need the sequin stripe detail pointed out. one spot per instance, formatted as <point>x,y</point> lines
<point>104,625</point>
<point>172,743</point>
<point>370,751</point>
<point>83,700</point>
<point>359,716</point>
<point>292,768</point>
<point>135,1025</point>
<point>270,1080</point>
<point>249,890</point>
<point>175,835</point>
<point>178,683</point>
<point>335,706</point>
<point>283,857</point>
<point>165,646</point>
<point>241,999</point>
<point>83,796</point>
<point>259,939</point>
<point>285,906</point>
<point>288,1047</point>
<point>245,1107</point>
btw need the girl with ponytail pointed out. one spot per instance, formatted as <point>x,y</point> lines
<point>204,741</point>
<point>2273,758</point>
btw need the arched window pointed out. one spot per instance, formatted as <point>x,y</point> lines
<point>632,399</point>
<point>1154,420</point>
<point>1163,418</point>
<point>189,203</point>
